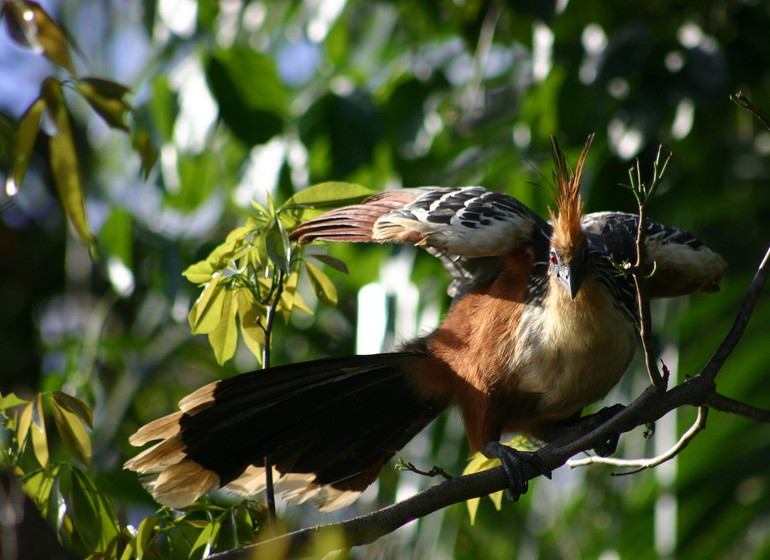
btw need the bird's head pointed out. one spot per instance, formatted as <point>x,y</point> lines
<point>568,258</point>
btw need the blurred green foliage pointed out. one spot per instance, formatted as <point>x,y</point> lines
<point>225,102</point>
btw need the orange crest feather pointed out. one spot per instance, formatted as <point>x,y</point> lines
<point>568,235</point>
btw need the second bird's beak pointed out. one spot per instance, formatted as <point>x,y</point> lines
<point>571,277</point>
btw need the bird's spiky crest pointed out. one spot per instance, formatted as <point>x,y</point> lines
<point>568,236</point>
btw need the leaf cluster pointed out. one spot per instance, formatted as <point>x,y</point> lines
<point>255,272</point>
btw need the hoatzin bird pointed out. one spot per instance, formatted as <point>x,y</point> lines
<point>542,325</point>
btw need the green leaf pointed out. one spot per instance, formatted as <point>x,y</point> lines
<point>116,236</point>
<point>30,26</point>
<point>322,286</point>
<point>76,406</point>
<point>148,152</point>
<point>10,400</point>
<point>332,193</point>
<point>198,177</point>
<point>328,260</point>
<point>224,337</point>
<point>107,99</point>
<point>252,100</point>
<point>64,161</point>
<point>277,246</point>
<point>203,545</point>
<point>93,520</point>
<point>29,125</point>
<point>72,430</point>
<point>38,485</point>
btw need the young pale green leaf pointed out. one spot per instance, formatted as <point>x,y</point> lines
<point>64,161</point>
<point>30,26</point>
<point>71,428</point>
<point>146,534</point>
<point>107,99</point>
<point>224,337</point>
<point>203,545</point>
<point>10,400</point>
<point>328,260</point>
<point>473,508</point>
<point>322,286</point>
<point>74,405</point>
<point>199,272</point>
<point>251,318</point>
<point>332,193</point>
<point>207,309</point>
<point>480,463</point>
<point>24,423</point>
<point>29,126</point>
<point>38,433</point>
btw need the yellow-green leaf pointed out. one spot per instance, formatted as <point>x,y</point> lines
<point>25,421</point>
<point>224,337</point>
<point>479,463</point>
<point>76,406</point>
<point>64,161</point>
<point>107,99</point>
<point>30,26</point>
<point>72,430</point>
<point>206,539</point>
<point>473,508</point>
<point>332,193</point>
<point>29,125</point>
<point>10,400</point>
<point>322,286</point>
<point>199,272</point>
<point>146,534</point>
<point>205,312</point>
<point>37,431</point>
<point>251,317</point>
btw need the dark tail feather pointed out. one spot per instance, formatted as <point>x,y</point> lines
<point>327,426</point>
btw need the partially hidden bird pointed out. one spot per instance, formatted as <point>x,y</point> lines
<point>542,324</point>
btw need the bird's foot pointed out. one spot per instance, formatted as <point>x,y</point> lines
<point>609,445</point>
<point>513,465</point>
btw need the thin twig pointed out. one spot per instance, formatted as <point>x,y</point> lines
<point>641,464</point>
<point>641,270</point>
<point>742,101</point>
<point>268,330</point>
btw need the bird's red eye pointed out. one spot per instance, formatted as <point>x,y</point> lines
<point>554,258</point>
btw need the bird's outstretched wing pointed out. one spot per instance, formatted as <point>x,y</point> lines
<point>467,228</point>
<point>683,264</point>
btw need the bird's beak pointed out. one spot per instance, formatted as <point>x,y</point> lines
<point>571,277</point>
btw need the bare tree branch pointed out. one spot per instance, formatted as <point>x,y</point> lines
<point>641,464</point>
